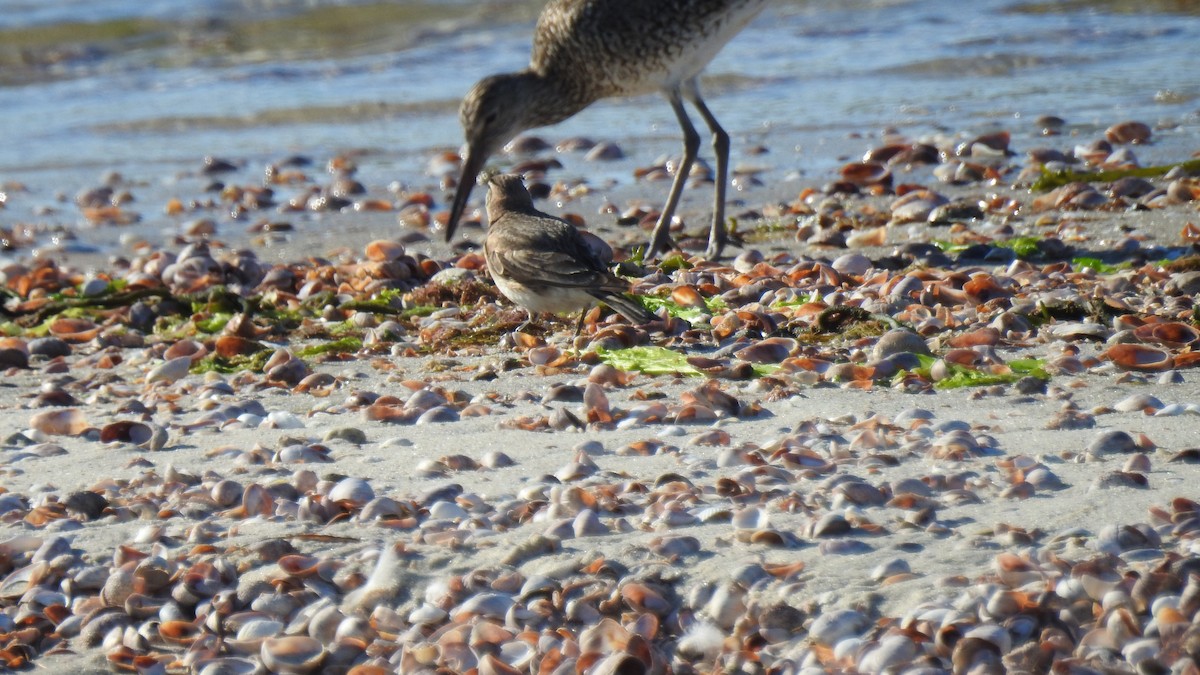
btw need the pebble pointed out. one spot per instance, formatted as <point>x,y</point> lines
<point>472,560</point>
<point>852,263</point>
<point>899,341</point>
<point>1111,442</point>
<point>1185,283</point>
<point>447,511</point>
<point>832,627</point>
<point>171,371</point>
<point>282,419</point>
<point>349,434</point>
<point>49,347</point>
<point>1138,403</point>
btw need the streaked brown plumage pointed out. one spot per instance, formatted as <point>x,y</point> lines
<point>545,264</point>
<point>586,50</point>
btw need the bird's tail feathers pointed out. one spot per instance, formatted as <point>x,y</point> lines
<point>628,306</point>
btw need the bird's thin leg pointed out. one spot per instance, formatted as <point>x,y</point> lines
<point>528,321</point>
<point>717,236</point>
<point>579,324</point>
<point>660,240</point>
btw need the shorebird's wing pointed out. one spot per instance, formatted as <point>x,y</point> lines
<point>545,256</point>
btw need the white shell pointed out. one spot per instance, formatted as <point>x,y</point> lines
<point>750,518</point>
<point>354,490</point>
<point>292,654</point>
<point>834,626</point>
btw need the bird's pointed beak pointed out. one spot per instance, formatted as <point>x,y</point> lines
<point>470,172</point>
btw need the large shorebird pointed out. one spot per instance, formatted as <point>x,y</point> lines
<point>543,263</point>
<point>586,50</point>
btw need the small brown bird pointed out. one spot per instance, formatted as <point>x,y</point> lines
<point>545,264</point>
<point>586,50</point>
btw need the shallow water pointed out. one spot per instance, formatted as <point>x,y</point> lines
<point>140,88</point>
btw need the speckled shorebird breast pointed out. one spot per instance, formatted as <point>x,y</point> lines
<point>630,47</point>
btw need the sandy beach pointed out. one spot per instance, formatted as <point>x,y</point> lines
<point>435,473</point>
<point>936,413</point>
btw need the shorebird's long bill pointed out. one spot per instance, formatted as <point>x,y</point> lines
<point>471,167</point>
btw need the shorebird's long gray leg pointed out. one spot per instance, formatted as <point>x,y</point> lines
<point>660,240</point>
<point>717,236</point>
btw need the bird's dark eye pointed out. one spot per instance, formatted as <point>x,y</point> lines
<point>490,119</point>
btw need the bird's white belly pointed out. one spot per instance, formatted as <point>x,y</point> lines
<point>548,299</point>
<point>693,55</point>
<point>697,55</point>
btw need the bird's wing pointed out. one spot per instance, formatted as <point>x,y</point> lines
<point>550,253</point>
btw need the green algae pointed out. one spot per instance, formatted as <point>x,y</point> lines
<point>653,360</point>
<point>960,376</point>
<point>1050,180</point>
